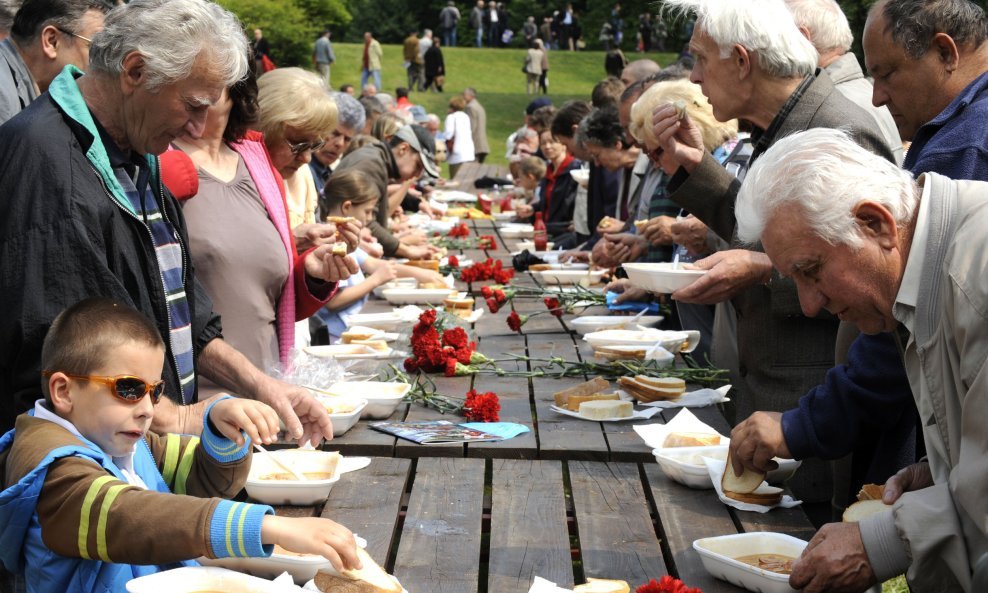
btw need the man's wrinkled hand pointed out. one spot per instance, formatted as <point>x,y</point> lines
<point>912,477</point>
<point>691,233</point>
<point>306,420</point>
<point>834,561</point>
<point>730,272</point>
<point>679,138</point>
<point>756,440</point>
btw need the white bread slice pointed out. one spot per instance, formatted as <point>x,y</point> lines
<point>647,393</point>
<point>349,336</point>
<point>864,508</point>
<point>670,383</point>
<point>371,578</point>
<point>596,385</point>
<point>620,353</point>
<point>764,495</point>
<point>574,401</point>
<point>602,586</point>
<point>602,409</point>
<point>691,439</point>
<point>747,482</point>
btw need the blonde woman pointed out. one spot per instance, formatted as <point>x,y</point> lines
<point>386,126</point>
<point>296,117</point>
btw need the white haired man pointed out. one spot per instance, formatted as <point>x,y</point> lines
<point>85,213</point>
<point>825,25</point>
<point>45,36</point>
<point>764,73</point>
<point>861,239</point>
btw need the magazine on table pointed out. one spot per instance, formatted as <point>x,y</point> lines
<point>438,431</point>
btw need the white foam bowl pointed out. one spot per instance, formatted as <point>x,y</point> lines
<point>661,278</point>
<point>293,492</point>
<point>530,245</point>
<point>382,398</point>
<point>346,421</point>
<point>685,464</point>
<point>684,341</point>
<point>302,568</point>
<point>571,277</point>
<point>417,296</point>
<point>593,323</point>
<point>192,579</point>
<point>503,215</point>
<point>517,231</point>
<point>718,556</point>
<point>397,283</point>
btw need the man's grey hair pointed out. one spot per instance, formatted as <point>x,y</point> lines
<point>826,23</point>
<point>913,23</point>
<point>826,174</point>
<point>8,8</point>
<point>763,27</point>
<point>172,35</point>
<point>30,17</point>
<point>470,92</point>
<point>351,112</point>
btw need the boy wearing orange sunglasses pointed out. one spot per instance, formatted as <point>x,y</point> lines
<point>91,498</point>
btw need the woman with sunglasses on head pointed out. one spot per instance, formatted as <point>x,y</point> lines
<point>241,239</point>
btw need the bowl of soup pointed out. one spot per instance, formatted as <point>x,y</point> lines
<point>271,483</point>
<point>758,561</point>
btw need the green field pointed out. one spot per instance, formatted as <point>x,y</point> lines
<point>497,76</point>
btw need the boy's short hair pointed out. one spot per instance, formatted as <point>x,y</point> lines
<point>532,165</point>
<point>80,339</point>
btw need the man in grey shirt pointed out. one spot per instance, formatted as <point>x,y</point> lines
<point>323,56</point>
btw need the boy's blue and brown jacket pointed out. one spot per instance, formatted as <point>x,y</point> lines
<point>70,522</point>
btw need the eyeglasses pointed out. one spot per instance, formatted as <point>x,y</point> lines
<point>301,147</point>
<point>86,39</point>
<point>126,387</point>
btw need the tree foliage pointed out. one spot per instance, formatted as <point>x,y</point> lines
<point>290,26</point>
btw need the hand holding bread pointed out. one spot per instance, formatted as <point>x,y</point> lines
<point>324,263</point>
<point>369,577</point>
<point>313,535</point>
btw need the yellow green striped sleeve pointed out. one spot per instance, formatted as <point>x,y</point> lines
<point>218,446</point>
<point>235,529</point>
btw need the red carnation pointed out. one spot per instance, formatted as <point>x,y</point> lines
<point>453,261</point>
<point>481,407</point>
<point>486,292</point>
<point>428,317</point>
<point>411,364</point>
<point>666,584</point>
<point>455,337</point>
<point>450,370</point>
<point>503,276</point>
<point>493,305</point>
<point>500,297</point>
<point>515,321</point>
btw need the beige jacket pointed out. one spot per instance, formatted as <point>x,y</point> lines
<point>940,532</point>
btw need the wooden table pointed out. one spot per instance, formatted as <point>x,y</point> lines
<point>570,499</point>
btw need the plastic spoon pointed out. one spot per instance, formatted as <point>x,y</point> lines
<point>281,463</point>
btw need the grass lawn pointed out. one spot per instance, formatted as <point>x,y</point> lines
<point>497,76</point>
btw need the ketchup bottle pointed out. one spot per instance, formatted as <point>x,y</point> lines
<point>541,238</point>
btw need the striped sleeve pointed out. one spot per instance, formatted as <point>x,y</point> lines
<point>179,455</point>
<point>235,530</point>
<point>218,446</point>
<point>94,517</point>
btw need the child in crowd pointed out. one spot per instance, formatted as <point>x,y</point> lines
<point>352,193</point>
<point>531,170</point>
<point>92,499</point>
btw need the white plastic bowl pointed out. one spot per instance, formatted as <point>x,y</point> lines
<point>718,555</point>
<point>190,579</point>
<point>684,341</point>
<point>302,568</point>
<point>593,323</point>
<point>292,491</point>
<point>685,464</point>
<point>397,283</point>
<point>661,278</point>
<point>503,216</point>
<point>382,398</point>
<point>417,296</point>
<point>516,230</point>
<point>530,245</point>
<point>346,421</point>
<point>571,277</point>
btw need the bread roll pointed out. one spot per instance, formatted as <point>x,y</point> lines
<point>603,409</point>
<point>864,508</point>
<point>691,439</point>
<point>747,482</point>
<point>370,578</point>
<point>340,249</point>
<point>871,492</point>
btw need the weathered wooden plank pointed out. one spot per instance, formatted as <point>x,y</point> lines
<point>368,502</point>
<point>792,521</point>
<point>562,437</point>
<point>515,398</point>
<point>617,539</point>
<point>529,536</point>
<point>686,515</point>
<point>439,548</point>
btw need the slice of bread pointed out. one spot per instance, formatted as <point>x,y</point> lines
<point>764,495</point>
<point>574,401</point>
<point>646,393</point>
<point>427,264</point>
<point>621,352</point>
<point>871,492</point>
<point>603,409</point>
<point>371,578</point>
<point>669,383</point>
<point>864,508</point>
<point>747,482</point>
<point>602,586</point>
<point>453,303</point>
<point>596,385</point>
<point>348,337</point>
<point>691,439</point>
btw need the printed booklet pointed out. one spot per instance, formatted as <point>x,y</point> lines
<point>439,431</point>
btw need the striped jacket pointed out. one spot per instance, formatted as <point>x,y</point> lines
<point>88,530</point>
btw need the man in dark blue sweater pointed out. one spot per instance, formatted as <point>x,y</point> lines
<point>930,64</point>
